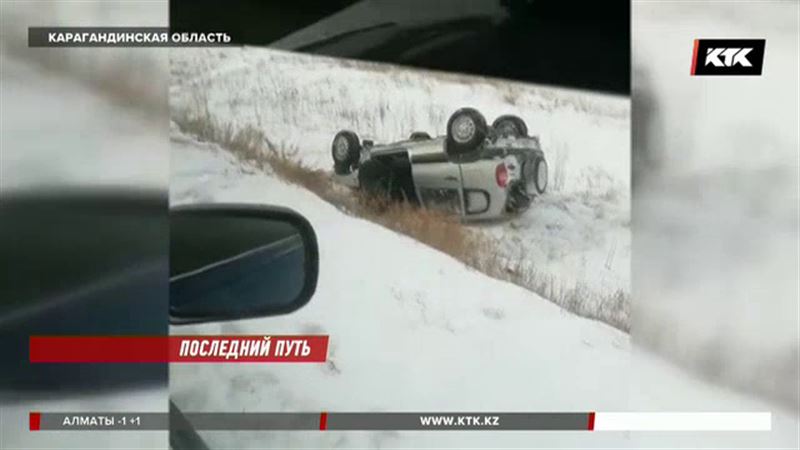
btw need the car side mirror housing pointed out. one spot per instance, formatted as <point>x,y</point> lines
<point>238,261</point>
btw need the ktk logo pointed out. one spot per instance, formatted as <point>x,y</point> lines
<point>728,56</point>
<point>732,57</point>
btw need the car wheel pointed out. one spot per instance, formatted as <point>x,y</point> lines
<point>466,131</point>
<point>346,151</point>
<point>535,174</point>
<point>510,126</point>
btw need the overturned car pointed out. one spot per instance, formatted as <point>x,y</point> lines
<point>477,171</point>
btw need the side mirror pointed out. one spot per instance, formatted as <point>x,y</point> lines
<point>236,261</point>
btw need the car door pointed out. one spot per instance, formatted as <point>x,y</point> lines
<point>438,181</point>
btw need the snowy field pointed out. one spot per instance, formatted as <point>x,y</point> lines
<point>579,234</point>
<point>422,332</point>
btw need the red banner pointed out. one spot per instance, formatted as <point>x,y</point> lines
<point>162,349</point>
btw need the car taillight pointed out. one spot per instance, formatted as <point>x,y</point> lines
<point>501,175</point>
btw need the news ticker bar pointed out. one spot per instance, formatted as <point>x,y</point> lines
<point>400,421</point>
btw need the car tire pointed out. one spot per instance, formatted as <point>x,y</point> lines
<point>534,172</point>
<point>346,151</point>
<point>466,131</point>
<point>510,126</point>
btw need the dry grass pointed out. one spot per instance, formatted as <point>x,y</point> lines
<point>439,230</point>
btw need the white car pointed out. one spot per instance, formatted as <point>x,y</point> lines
<point>477,171</point>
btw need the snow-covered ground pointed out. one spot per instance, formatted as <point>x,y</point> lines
<point>58,133</point>
<point>578,234</point>
<point>413,329</point>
